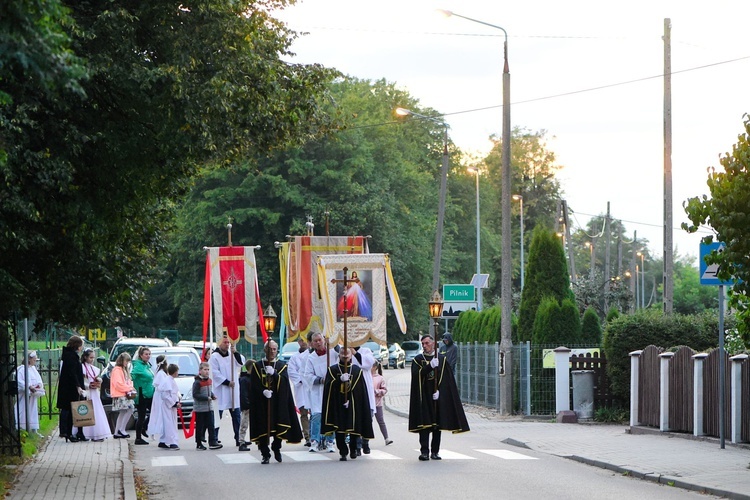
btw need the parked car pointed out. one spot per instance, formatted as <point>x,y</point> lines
<point>188,361</point>
<point>289,349</point>
<point>411,349</point>
<point>380,352</point>
<point>396,356</point>
<point>129,345</point>
<point>198,346</point>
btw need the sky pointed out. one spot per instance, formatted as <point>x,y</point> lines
<point>586,72</point>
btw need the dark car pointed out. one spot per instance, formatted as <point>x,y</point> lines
<point>396,356</point>
<point>380,352</point>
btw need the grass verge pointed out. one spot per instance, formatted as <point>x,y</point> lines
<point>31,443</point>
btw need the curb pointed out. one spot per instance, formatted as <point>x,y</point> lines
<point>665,480</point>
<point>128,479</point>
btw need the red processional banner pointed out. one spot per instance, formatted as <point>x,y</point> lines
<point>232,279</point>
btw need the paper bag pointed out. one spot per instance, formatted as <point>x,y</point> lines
<point>83,413</point>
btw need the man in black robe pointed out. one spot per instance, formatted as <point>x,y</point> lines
<point>346,405</point>
<point>272,410</point>
<point>434,405</point>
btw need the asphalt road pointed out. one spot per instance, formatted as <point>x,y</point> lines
<point>474,465</point>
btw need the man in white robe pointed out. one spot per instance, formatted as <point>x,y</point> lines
<point>226,366</point>
<point>36,391</point>
<point>314,375</point>
<point>296,368</point>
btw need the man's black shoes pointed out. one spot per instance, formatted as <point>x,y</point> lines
<point>424,458</point>
<point>435,456</point>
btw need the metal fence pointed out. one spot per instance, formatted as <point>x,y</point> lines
<point>479,381</point>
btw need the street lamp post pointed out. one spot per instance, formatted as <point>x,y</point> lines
<point>643,281</point>
<point>519,198</point>
<point>441,204</point>
<point>506,345</point>
<point>592,263</point>
<point>475,171</point>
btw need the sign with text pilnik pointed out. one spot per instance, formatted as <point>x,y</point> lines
<point>459,293</point>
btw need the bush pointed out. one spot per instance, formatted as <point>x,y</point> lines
<point>591,329</point>
<point>637,331</point>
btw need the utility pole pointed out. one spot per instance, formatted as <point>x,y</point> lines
<point>608,242</point>
<point>571,259</point>
<point>668,255</point>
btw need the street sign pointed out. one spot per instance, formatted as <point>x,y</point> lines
<point>459,293</point>
<point>708,272</point>
<point>451,310</point>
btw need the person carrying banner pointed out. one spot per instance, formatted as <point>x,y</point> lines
<point>346,408</point>
<point>434,405</point>
<point>272,411</point>
<point>226,365</point>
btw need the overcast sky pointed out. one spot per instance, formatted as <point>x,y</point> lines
<point>609,141</point>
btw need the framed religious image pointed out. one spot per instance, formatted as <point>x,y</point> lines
<point>354,297</point>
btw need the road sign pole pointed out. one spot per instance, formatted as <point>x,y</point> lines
<point>722,402</point>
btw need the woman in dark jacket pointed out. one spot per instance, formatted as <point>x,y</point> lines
<point>70,385</point>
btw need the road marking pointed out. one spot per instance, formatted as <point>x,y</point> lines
<point>379,455</point>
<point>451,455</point>
<point>306,456</point>
<point>168,461</point>
<point>507,455</point>
<point>244,458</point>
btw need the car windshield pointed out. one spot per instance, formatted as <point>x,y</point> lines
<point>121,348</point>
<point>411,346</point>
<point>393,347</point>
<point>187,362</point>
<point>290,347</point>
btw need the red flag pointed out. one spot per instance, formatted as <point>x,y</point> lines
<point>233,286</point>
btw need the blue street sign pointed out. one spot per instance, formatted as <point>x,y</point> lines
<point>708,272</point>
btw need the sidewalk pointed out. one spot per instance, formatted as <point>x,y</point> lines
<point>667,458</point>
<point>104,470</point>
<point>77,470</point>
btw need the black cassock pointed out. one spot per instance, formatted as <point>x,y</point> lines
<point>283,413</point>
<point>445,414</point>
<point>354,418</point>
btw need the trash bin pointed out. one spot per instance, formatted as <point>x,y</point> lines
<point>583,393</point>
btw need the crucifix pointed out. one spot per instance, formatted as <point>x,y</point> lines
<point>346,282</point>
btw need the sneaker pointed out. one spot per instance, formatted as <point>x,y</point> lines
<point>388,441</point>
<point>201,447</point>
<point>244,447</point>
<point>308,444</point>
<point>163,445</point>
<point>141,441</point>
<point>314,447</point>
<point>331,447</point>
<point>215,446</point>
<point>174,447</point>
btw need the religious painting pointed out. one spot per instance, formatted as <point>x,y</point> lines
<point>361,299</point>
<point>353,296</point>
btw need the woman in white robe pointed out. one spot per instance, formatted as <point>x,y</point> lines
<point>156,422</point>
<point>92,382</point>
<point>36,391</point>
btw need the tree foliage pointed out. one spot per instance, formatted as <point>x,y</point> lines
<point>547,276</point>
<point>95,165</point>
<point>591,328</point>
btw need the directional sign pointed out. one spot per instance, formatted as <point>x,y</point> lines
<point>451,310</point>
<point>459,293</point>
<point>708,272</point>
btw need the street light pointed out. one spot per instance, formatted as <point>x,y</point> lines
<point>506,402</point>
<point>519,198</point>
<point>592,264</point>
<point>643,280</point>
<point>475,171</point>
<point>441,205</point>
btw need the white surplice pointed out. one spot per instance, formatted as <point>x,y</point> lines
<point>100,429</point>
<point>35,381</point>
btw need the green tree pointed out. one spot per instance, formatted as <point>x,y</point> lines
<point>591,328</point>
<point>95,168</point>
<point>546,276</point>
<point>374,177</point>
<point>725,212</point>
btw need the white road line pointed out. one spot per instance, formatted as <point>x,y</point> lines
<point>172,461</point>
<point>379,455</point>
<point>306,456</point>
<point>451,455</point>
<point>244,458</point>
<point>507,455</point>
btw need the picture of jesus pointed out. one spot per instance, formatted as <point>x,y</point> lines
<point>355,297</point>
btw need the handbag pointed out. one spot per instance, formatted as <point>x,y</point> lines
<point>83,413</point>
